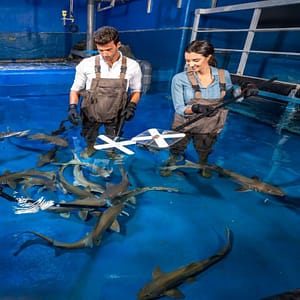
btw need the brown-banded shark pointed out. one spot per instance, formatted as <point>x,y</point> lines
<point>247,183</point>
<point>108,219</point>
<point>166,284</point>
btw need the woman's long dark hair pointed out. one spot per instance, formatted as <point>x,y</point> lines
<point>203,47</point>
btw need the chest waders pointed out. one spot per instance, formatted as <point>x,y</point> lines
<point>207,124</point>
<point>107,97</point>
<point>103,103</point>
<point>202,131</point>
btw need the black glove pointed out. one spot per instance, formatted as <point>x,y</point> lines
<point>73,114</point>
<point>201,109</point>
<point>249,89</point>
<point>129,111</point>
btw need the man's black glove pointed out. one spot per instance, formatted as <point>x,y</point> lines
<point>73,114</point>
<point>129,111</point>
<point>249,89</point>
<point>202,109</point>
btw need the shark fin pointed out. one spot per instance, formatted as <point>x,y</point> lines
<point>115,226</point>
<point>255,178</point>
<point>83,214</point>
<point>156,273</point>
<point>175,293</point>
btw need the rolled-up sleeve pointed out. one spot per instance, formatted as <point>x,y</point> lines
<point>80,78</point>
<point>135,76</point>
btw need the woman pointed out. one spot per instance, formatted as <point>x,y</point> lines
<point>199,90</point>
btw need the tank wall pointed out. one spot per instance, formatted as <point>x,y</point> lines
<point>33,29</point>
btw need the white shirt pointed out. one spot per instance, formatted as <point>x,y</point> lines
<point>85,72</point>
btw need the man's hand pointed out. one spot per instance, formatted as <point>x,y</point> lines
<point>129,111</point>
<point>73,114</point>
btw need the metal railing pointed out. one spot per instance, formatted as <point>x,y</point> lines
<point>257,9</point>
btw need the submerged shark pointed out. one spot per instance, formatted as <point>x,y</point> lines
<point>247,183</point>
<point>51,139</point>
<point>8,133</point>
<point>166,284</point>
<point>108,219</point>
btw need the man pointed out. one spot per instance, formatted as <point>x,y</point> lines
<point>104,81</point>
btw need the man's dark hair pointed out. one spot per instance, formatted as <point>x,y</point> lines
<point>105,35</point>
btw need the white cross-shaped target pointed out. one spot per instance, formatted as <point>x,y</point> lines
<point>155,136</point>
<point>158,138</point>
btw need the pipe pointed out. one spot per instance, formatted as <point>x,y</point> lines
<point>90,24</point>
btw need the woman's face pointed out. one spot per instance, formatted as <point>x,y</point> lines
<point>196,62</point>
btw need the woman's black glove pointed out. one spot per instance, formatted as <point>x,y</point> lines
<point>129,111</point>
<point>73,114</point>
<point>201,109</point>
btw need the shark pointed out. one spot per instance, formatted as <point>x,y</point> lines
<point>8,134</point>
<point>246,183</point>
<point>12,178</point>
<point>106,220</point>
<point>51,139</point>
<point>80,180</point>
<point>103,172</point>
<point>166,284</point>
<point>113,190</point>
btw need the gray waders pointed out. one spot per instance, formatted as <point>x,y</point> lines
<point>204,131</point>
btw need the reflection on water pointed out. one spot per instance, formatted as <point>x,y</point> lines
<point>165,229</point>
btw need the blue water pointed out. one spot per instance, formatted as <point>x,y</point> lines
<point>163,229</point>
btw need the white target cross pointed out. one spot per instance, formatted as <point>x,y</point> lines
<point>153,137</point>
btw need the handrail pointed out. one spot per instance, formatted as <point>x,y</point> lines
<point>257,8</point>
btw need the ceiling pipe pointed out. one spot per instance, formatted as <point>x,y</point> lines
<point>90,25</point>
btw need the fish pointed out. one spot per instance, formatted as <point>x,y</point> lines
<point>103,172</point>
<point>11,179</point>
<point>69,188</point>
<point>130,194</point>
<point>48,157</point>
<point>113,190</point>
<point>166,284</point>
<point>247,183</point>
<point>8,133</point>
<point>80,180</point>
<point>106,220</point>
<point>51,139</point>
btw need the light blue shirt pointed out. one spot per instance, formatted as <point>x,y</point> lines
<point>182,91</point>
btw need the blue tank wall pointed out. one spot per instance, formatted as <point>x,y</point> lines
<point>33,29</point>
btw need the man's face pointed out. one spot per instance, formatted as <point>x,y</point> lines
<point>109,52</point>
<point>196,62</point>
